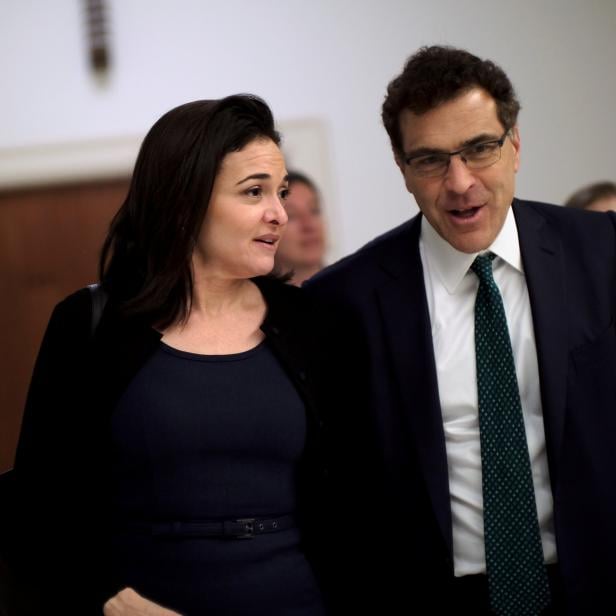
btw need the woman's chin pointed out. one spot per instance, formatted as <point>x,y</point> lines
<point>262,269</point>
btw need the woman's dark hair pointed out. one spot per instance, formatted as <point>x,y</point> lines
<point>438,74</point>
<point>145,263</point>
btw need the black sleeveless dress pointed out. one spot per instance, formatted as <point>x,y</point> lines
<point>200,439</point>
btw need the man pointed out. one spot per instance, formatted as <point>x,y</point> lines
<point>474,446</point>
<point>597,197</point>
<point>301,250</point>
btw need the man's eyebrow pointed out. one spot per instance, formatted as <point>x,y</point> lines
<point>480,139</point>
<point>425,151</point>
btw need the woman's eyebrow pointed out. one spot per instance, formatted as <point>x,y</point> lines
<point>255,176</point>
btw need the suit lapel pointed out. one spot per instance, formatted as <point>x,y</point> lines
<point>545,278</point>
<point>406,322</point>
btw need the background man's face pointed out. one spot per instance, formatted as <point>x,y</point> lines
<point>467,207</point>
<point>303,241</point>
<point>606,204</point>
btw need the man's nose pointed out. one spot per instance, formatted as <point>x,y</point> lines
<point>308,221</point>
<point>458,178</point>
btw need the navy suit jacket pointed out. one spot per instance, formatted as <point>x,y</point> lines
<point>386,428</point>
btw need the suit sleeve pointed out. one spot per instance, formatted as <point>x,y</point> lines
<point>613,219</point>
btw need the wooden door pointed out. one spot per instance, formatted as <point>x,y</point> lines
<point>50,240</point>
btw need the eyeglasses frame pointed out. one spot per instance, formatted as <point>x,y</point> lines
<point>500,142</point>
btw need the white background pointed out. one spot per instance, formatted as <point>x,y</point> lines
<point>325,62</point>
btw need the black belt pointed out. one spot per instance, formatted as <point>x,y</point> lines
<point>241,528</point>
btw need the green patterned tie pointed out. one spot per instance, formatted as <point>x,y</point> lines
<point>517,577</point>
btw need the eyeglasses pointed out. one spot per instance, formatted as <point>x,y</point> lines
<point>474,156</point>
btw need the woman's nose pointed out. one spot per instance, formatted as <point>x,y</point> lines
<point>275,213</point>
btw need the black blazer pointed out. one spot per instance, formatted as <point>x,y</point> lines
<point>391,458</point>
<point>64,446</point>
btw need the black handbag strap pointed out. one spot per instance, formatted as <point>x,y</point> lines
<point>99,299</point>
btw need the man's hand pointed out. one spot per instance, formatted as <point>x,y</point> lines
<point>129,603</point>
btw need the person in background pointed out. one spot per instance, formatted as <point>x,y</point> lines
<point>474,440</point>
<point>598,197</point>
<point>301,252</point>
<point>173,456</point>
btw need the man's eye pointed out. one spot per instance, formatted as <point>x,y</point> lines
<point>481,149</point>
<point>428,161</point>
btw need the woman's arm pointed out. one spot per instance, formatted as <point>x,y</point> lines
<point>58,530</point>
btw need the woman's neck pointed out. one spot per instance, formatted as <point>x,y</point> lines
<point>213,296</point>
<point>225,317</point>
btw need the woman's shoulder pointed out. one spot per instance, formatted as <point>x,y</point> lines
<point>70,322</point>
<point>75,307</point>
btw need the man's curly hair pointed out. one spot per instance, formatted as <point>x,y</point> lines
<point>438,74</point>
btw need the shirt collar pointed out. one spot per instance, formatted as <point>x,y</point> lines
<point>451,265</point>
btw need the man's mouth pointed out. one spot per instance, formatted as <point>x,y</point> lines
<point>465,213</point>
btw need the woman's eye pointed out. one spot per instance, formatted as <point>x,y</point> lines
<point>284,194</point>
<point>254,191</point>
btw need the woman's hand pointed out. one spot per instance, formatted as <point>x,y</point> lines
<point>129,603</point>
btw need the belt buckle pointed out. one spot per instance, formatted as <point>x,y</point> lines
<point>248,528</point>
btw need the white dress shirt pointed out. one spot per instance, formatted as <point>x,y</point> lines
<point>451,288</point>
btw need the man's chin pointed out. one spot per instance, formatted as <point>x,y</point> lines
<point>471,242</point>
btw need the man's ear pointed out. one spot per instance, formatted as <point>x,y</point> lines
<point>515,141</point>
<point>402,166</point>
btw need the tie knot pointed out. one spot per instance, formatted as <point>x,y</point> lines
<point>482,266</point>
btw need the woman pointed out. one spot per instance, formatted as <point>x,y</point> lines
<point>302,248</point>
<point>176,450</point>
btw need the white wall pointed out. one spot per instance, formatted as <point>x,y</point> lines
<point>326,60</point>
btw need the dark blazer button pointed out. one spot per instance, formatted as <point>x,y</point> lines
<point>275,330</point>
<point>302,375</point>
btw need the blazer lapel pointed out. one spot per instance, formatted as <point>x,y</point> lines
<point>406,322</point>
<point>545,278</point>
